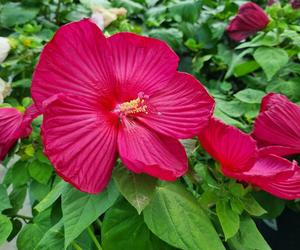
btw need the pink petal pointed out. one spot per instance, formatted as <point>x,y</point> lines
<point>271,100</point>
<point>250,19</point>
<point>181,110</point>
<point>278,125</point>
<point>275,175</point>
<point>76,61</point>
<point>235,150</point>
<point>30,114</point>
<point>141,64</point>
<point>80,141</point>
<point>145,151</point>
<point>10,122</point>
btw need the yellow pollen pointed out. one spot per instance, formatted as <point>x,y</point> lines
<point>134,106</point>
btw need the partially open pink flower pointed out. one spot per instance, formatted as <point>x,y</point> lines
<point>240,159</point>
<point>14,125</point>
<point>249,20</point>
<point>277,127</point>
<point>102,96</point>
<point>295,4</point>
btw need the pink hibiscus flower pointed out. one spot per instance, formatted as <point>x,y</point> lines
<point>249,20</point>
<point>240,159</point>
<point>119,95</point>
<point>14,125</point>
<point>277,128</point>
<point>295,4</point>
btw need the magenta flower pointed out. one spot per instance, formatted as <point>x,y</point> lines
<point>249,20</point>
<point>14,125</point>
<point>119,95</point>
<point>240,159</point>
<point>277,128</point>
<point>295,4</point>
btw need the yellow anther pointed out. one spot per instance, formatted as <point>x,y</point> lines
<point>134,106</point>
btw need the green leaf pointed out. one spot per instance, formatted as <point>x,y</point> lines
<point>51,197</point>
<point>20,173</point>
<point>138,189</point>
<point>269,39</point>
<point>124,228</point>
<point>273,205</point>
<point>13,14</point>
<point>187,10</point>
<point>29,237</point>
<point>245,68</point>
<point>252,206</point>
<point>5,228</point>
<point>39,171</point>
<point>4,200</point>
<point>81,209</point>
<point>53,238</point>
<point>172,36</point>
<point>228,218</point>
<point>175,216</point>
<point>271,60</point>
<point>250,96</point>
<point>248,237</point>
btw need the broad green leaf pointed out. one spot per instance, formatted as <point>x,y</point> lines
<point>13,14</point>
<point>227,119</point>
<point>248,237</point>
<point>138,189</point>
<point>29,237</point>
<point>17,197</point>
<point>236,60</point>
<point>187,10</point>
<point>53,239</point>
<point>81,209</point>
<point>4,200</point>
<point>269,39</point>
<point>252,206</point>
<point>131,6</point>
<point>5,228</point>
<point>232,108</point>
<point>20,173</point>
<point>290,88</point>
<point>245,68</point>
<point>172,36</point>
<point>228,218</point>
<point>39,171</point>
<point>124,228</point>
<point>271,60</point>
<point>250,95</point>
<point>273,205</point>
<point>175,216</point>
<point>51,197</point>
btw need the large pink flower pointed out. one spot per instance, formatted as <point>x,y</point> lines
<point>277,128</point>
<point>102,96</point>
<point>240,159</point>
<point>14,125</point>
<point>249,20</point>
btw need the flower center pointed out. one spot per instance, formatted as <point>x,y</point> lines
<point>132,107</point>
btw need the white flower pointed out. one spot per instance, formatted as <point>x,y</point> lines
<point>104,17</point>
<point>4,48</point>
<point>5,90</point>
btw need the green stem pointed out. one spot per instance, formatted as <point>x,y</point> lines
<point>99,223</point>
<point>75,245</point>
<point>93,237</point>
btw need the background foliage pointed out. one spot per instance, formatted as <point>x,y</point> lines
<point>203,210</point>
